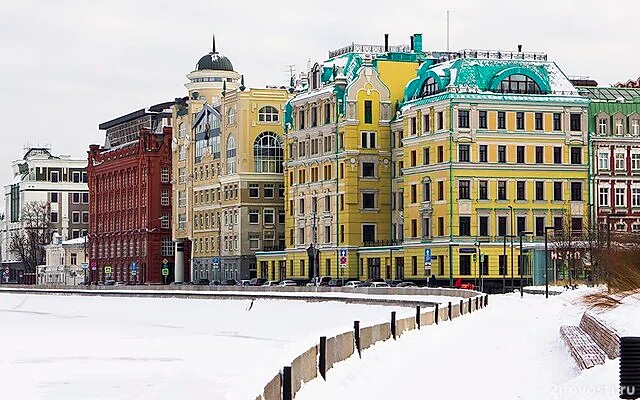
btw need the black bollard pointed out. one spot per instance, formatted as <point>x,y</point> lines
<point>435,314</point>
<point>449,312</point>
<point>356,336</point>
<point>418,316</point>
<point>393,324</point>
<point>287,392</point>
<point>322,357</point>
<point>630,367</point>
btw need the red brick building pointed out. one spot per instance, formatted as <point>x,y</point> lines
<point>130,198</point>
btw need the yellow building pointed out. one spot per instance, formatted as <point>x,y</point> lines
<point>493,145</point>
<point>413,163</point>
<point>228,190</point>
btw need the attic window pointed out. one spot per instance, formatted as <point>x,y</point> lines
<point>429,87</point>
<point>521,84</point>
<point>315,77</point>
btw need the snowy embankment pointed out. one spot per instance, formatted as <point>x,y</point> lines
<point>511,350</point>
<point>73,347</point>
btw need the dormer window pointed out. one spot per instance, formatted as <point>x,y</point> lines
<point>315,77</point>
<point>520,84</point>
<point>429,87</point>
<point>619,127</point>
<point>602,126</point>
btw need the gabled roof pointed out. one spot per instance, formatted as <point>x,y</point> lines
<point>206,110</point>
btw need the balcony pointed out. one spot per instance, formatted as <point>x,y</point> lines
<point>382,243</point>
<point>273,248</point>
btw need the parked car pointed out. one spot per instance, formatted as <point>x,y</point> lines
<point>379,284</point>
<point>245,282</point>
<point>395,282</point>
<point>203,281</point>
<point>287,282</point>
<point>335,282</point>
<point>352,284</point>
<point>270,283</point>
<point>320,281</point>
<point>229,282</point>
<point>109,283</point>
<point>257,281</point>
<point>120,284</point>
<point>406,284</point>
<point>215,283</point>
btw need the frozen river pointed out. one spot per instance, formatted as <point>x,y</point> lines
<point>72,348</point>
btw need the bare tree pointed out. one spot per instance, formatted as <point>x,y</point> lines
<point>35,232</point>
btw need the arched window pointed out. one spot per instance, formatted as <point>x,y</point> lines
<point>518,83</point>
<point>182,131</point>
<point>429,87</point>
<point>267,153</point>
<point>231,116</point>
<point>268,114</point>
<point>231,155</point>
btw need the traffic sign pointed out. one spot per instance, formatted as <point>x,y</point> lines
<point>343,260</point>
<point>165,261</point>
<point>343,252</point>
<point>134,266</point>
<point>85,265</point>
<point>107,270</point>
<point>165,271</point>
<point>94,265</point>
<point>216,260</point>
<point>427,257</point>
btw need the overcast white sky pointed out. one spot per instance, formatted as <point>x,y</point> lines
<point>68,65</point>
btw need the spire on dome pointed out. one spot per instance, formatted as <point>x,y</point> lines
<point>213,47</point>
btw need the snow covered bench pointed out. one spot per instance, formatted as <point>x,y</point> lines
<point>582,347</point>
<point>606,337</point>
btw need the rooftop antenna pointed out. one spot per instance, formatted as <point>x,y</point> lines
<point>291,69</point>
<point>447,31</point>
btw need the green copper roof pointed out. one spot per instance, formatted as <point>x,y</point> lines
<point>475,75</point>
<point>605,94</point>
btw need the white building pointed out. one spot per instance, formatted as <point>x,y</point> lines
<point>42,177</point>
<point>64,261</point>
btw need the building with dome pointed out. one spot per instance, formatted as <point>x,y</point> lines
<point>228,193</point>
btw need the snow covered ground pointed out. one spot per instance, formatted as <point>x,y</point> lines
<point>75,347</point>
<point>511,350</point>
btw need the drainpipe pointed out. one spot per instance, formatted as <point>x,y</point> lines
<point>450,192</point>
<point>337,213</point>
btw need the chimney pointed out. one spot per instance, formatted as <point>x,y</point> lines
<point>411,42</point>
<point>519,48</point>
<point>417,42</point>
<point>386,42</point>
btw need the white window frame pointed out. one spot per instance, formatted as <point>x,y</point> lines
<point>623,160</point>
<point>619,127</point>
<point>165,174</point>
<point>603,160</point>
<point>182,222</point>
<point>182,173</point>
<point>257,188</point>
<point>253,240</point>
<point>635,196</point>
<point>51,174</point>
<point>83,217</point>
<point>164,221</point>
<point>635,161</point>
<point>164,197</point>
<point>75,174</point>
<point>603,196</point>
<point>635,127</point>
<point>182,198</point>
<point>602,126</point>
<point>368,142</point>
<point>75,217</point>
<point>270,211</point>
<point>254,212</point>
<point>620,194</point>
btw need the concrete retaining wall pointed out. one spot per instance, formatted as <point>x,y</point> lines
<point>373,334</point>
<point>304,368</point>
<point>404,325</point>
<point>427,318</point>
<point>272,391</point>
<point>339,348</point>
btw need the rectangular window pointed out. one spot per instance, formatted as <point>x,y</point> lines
<point>75,217</point>
<point>414,265</point>
<point>521,224</point>
<point>327,203</point>
<point>426,227</point>
<point>426,191</point>
<point>502,190</point>
<point>268,216</point>
<point>85,217</point>
<point>368,233</point>
<point>54,176</point>
<point>368,201</point>
<point>635,161</point>
<point>53,196</point>
<point>576,191</point>
<point>602,126</point>
<point>575,120</point>
<point>464,192</point>
<point>368,113</point>
<point>254,216</point>
<point>483,190</point>
<point>635,197</point>
<point>538,122</point>
<point>502,120</point>
<point>465,264</point>
<point>576,225</point>
<point>440,154</point>
<point>539,190</point>
<point>413,158</point>
<point>557,155</point>
<point>368,140</point>
<point>440,120</point>
<point>368,170</point>
<point>76,176</point>
<point>165,221</point>
<point>413,126</point>
<point>465,226</point>
<point>164,174</point>
<point>75,198</point>
<point>254,190</point>
<point>414,193</point>
<point>483,226</point>
<point>521,190</point>
<point>164,197</point>
<point>463,118</point>
<point>440,226</point>
<point>482,153</point>
<point>268,191</point>
<point>539,155</point>
<point>414,228</point>
<point>426,123</point>
<point>54,217</point>
<point>502,264</point>
<point>557,121</point>
<point>502,154</point>
<point>502,226</point>
<point>520,120</point>
<point>425,156</point>
<point>463,153</point>
<point>482,119</point>
<point>558,224</point>
<point>557,191</point>
<point>520,155</point>
<point>576,155</point>
<point>440,190</point>
<point>621,195</point>
<point>620,161</point>
<point>603,196</point>
<point>539,226</point>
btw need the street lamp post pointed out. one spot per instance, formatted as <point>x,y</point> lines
<point>511,236</point>
<point>451,246</point>
<point>480,263</point>
<point>546,266</point>
<point>521,261</point>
